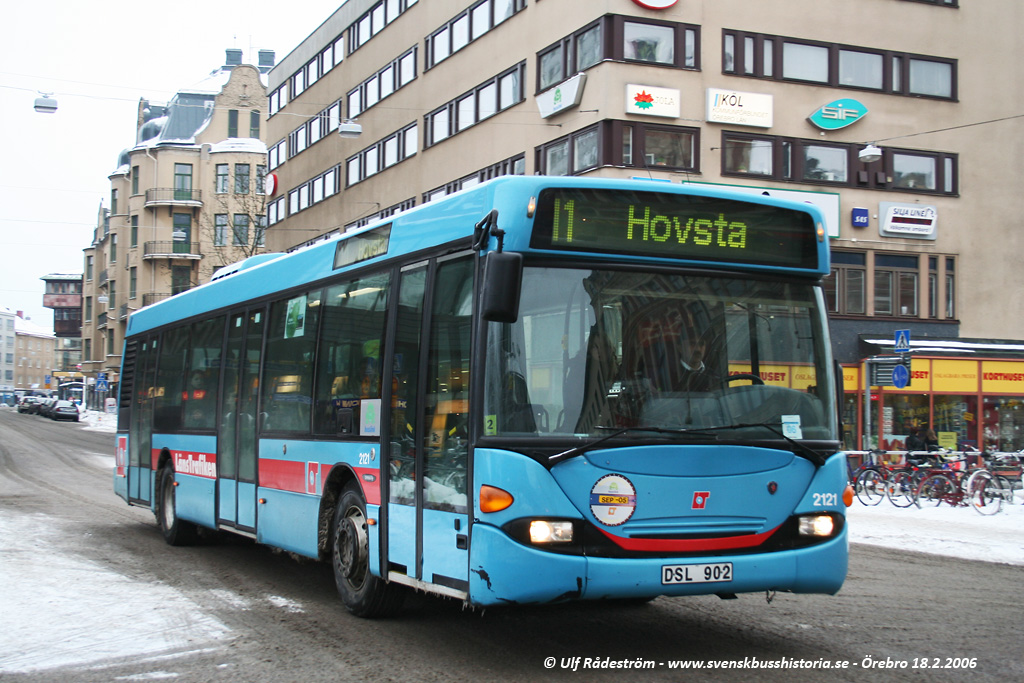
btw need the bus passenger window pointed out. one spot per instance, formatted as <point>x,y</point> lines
<point>351,347</point>
<point>291,343</point>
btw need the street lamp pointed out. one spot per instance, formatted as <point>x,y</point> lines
<point>870,154</point>
<point>45,104</point>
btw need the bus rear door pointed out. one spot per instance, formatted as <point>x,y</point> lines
<point>236,443</point>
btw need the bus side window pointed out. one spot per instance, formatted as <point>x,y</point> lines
<point>170,380</point>
<point>288,374</point>
<point>351,347</point>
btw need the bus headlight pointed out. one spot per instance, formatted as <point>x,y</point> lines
<point>816,525</point>
<point>543,531</point>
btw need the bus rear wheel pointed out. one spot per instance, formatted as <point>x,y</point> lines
<point>175,531</point>
<point>364,594</point>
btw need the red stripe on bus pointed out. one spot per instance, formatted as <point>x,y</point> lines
<point>284,475</point>
<point>689,544</point>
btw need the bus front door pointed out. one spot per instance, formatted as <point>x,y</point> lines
<point>428,520</point>
<point>236,442</point>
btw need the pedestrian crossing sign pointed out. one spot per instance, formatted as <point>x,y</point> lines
<point>902,341</point>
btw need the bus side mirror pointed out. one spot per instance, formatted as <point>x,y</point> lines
<point>503,277</point>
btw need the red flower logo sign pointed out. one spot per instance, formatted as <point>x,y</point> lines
<point>643,100</point>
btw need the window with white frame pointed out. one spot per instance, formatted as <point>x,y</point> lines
<point>381,155</point>
<point>399,72</point>
<point>485,100</point>
<point>467,26</point>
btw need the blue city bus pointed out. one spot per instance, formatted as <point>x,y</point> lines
<point>536,390</point>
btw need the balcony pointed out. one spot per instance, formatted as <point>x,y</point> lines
<point>172,196</point>
<point>150,299</point>
<point>171,250</point>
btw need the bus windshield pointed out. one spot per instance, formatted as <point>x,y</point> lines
<point>597,350</point>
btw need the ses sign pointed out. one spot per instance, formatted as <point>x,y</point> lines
<point>838,114</point>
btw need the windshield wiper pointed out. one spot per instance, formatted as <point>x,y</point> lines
<point>580,450</point>
<point>800,449</point>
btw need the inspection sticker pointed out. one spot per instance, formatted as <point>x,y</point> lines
<point>612,500</point>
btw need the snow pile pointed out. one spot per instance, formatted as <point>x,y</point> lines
<point>943,530</point>
<point>67,611</point>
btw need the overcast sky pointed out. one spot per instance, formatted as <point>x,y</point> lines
<point>98,59</point>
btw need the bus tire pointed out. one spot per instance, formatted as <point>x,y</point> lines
<point>175,531</point>
<point>364,594</point>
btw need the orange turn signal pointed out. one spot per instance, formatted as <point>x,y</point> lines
<point>493,499</point>
<point>848,495</point>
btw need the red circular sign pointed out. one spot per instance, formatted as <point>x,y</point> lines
<point>656,4</point>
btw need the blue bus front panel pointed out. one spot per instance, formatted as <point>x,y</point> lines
<point>666,520</point>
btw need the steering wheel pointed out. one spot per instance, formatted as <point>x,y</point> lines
<point>744,375</point>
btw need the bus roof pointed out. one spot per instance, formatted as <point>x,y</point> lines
<point>447,220</point>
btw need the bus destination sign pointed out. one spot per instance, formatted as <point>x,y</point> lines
<point>674,225</point>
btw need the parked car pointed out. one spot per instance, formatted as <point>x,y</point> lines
<point>64,410</point>
<point>27,404</point>
<point>44,406</point>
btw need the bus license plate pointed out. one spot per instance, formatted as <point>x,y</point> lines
<point>719,572</point>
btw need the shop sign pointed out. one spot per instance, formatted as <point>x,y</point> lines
<point>851,378</point>
<point>565,95</point>
<point>1002,377</point>
<point>655,4</point>
<point>859,217</point>
<point>955,375</point>
<point>739,108</point>
<point>916,221</point>
<point>838,114</point>
<point>652,101</point>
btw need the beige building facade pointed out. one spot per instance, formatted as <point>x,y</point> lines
<point>187,199</point>
<point>449,93</point>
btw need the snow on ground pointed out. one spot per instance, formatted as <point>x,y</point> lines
<point>67,611</point>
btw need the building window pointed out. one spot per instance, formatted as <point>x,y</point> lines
<point>395,75</point>
<point>844,66</point>
<point>181,279</point>
<point>113,202</point>
<point>277,154</point>
<point>467,26</point>
<point>134,231</point>
<point>254,124</point>
<point>135,179</point>
<point>622,143</point>
<point>661,43</point>
<point>487,99</point>
<point>515,165</point>
<point>222,178</point>
<point>113,249</point>
<point>89,261</point>
<point>232,123</point>
<point>240,230</point>
<point>373,22</point>
<point>241,178</point>
<point>845,287</point>
<point>575,53</point>
<point>393,149</point>
<point>220,230</point>
<point>811,161</point>
<point>133,280</point>
<point>183,182</point>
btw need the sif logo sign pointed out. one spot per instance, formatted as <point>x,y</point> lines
<point>655,4</point>
<point>838,114</point>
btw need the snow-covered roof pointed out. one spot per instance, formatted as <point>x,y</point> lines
<point>253,145</point>
<point>29,328</point>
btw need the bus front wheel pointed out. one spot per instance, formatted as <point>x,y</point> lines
<point>364,594</point>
